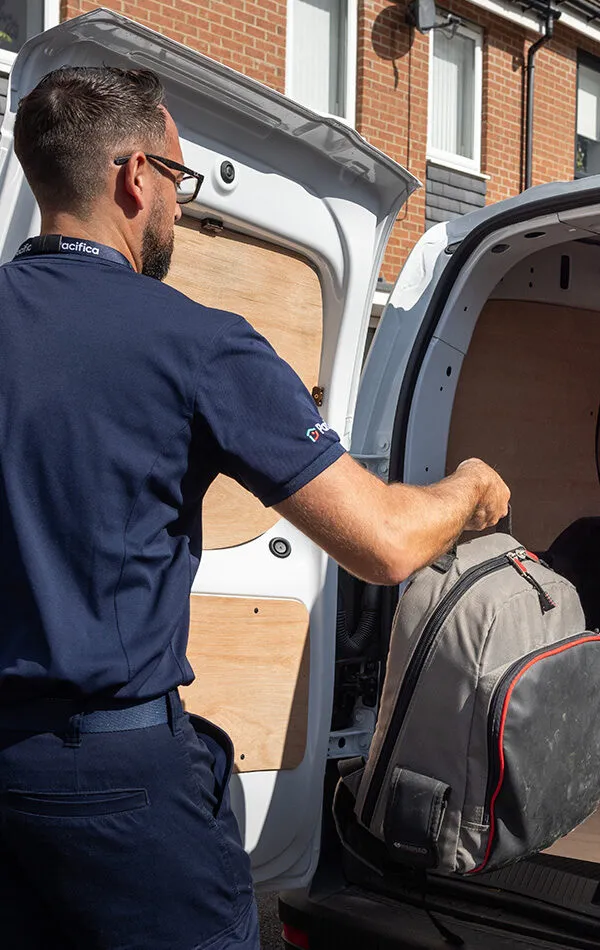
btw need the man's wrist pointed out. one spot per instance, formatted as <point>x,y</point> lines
<point>468,481</point>
<point>473,476</point>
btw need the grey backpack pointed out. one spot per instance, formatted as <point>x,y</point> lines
<point>487,744</point>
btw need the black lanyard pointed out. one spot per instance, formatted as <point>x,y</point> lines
<point>59,244</point>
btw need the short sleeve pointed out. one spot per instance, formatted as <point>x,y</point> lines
<point>267,431</point>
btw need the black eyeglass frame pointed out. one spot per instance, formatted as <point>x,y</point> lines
<point>175,166</point>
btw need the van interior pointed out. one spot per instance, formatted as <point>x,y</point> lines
<point>526,399</point>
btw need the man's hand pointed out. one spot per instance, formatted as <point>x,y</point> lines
<point>494,495</point>
<point>384,533</point>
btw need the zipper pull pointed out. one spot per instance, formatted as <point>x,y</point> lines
<point>516,559</point>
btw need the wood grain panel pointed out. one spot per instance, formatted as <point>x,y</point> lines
<point>583,843</point>
<point>280,295</point>
<point>251,660</point>
<point>527,403</point>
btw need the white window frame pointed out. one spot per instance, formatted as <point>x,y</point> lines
<point>437,155</point>
<point>51,17</point>
<point>351,53</point>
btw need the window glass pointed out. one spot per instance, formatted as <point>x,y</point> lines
<point>19,20</point>
<point>587,145</point>
<point>453,94</point>
<point>588,101</point>
<point>318,54</point>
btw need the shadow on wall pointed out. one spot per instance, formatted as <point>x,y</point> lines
<point>391,36</point>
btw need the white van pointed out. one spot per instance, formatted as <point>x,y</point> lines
<point>489,346</point>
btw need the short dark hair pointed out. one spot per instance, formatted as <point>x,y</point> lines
<point>78,118</point>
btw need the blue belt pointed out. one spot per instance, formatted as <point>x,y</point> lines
<point>50,714</point>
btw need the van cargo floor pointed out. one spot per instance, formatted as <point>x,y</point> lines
<point>356,919</point>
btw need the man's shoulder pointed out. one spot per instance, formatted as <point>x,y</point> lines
<point>166,302</point>
<point>116,289</point>
<point>162,306</point>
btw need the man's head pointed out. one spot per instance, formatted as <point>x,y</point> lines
<point>68,132</point>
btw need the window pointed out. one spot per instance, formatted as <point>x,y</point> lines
<point>587,143</point>
<point>20,20</point>
<point>321,55</point>
<point>454,126</point>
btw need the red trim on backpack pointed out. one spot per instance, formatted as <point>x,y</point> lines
<point>542,656</point>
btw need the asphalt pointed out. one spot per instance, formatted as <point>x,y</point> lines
<point>270,927</point>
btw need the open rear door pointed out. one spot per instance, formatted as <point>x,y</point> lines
<point>489,347</point>
<point>475,300</point>
<point>289,230</point>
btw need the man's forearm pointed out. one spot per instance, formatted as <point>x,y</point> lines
<point>426,520</point>
<point>383,533</point>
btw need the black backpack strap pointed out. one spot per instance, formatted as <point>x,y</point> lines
<point>445,561</point>
<point>505,525</point>
<point>364,846</point>
<point>357,840</point>
<point>347,767</point>
<point>413,818</point>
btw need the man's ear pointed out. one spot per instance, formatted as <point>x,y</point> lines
<point>135,179</point>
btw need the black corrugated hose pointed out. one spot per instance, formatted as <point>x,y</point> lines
<point>353,644</point>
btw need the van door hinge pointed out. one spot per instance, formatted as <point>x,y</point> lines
<point>317,393</point>
<point>212,225</point>
<point>356,739</point>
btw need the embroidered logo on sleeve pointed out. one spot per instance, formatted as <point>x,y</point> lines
<point>316,431</point>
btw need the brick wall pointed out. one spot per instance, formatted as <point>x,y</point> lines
<point>555,108</point>
<point>392,84</point>
<point>392,77</point>
<point>248,35</point>
<point>393,71</point>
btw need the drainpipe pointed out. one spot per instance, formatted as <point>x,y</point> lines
<point>551,16</point>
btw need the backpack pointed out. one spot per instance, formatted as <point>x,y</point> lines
<point>487,742</point>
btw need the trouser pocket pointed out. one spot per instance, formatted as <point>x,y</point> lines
<point>221,747</point>
<point>75,804</point>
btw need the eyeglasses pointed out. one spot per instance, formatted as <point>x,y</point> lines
<point>187,184</point>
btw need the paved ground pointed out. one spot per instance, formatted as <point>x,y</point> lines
<point>270,927</point>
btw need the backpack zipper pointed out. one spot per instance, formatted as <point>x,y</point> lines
<point>514,559</point>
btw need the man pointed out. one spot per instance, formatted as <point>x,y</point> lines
<point>120,402</point>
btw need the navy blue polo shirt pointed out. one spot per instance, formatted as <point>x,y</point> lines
<point>120,402</point>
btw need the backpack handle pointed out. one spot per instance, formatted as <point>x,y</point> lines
<point>505,525</point>
<point>445,561</point>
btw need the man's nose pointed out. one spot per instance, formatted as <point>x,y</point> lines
<point>178,213</point>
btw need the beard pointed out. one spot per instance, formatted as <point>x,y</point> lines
<point>157,248</point>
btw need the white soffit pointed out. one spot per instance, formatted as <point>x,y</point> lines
<point>531,21</point>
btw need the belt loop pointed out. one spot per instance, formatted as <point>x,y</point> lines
<point>174,709</point>
<point>72,739</point>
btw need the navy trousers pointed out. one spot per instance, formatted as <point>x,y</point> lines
<point>121,840</point>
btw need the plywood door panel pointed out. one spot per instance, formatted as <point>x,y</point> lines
<point>280,295</point>
<point>527,403</point>
<point>583,843</point>
<point>251,660</point>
